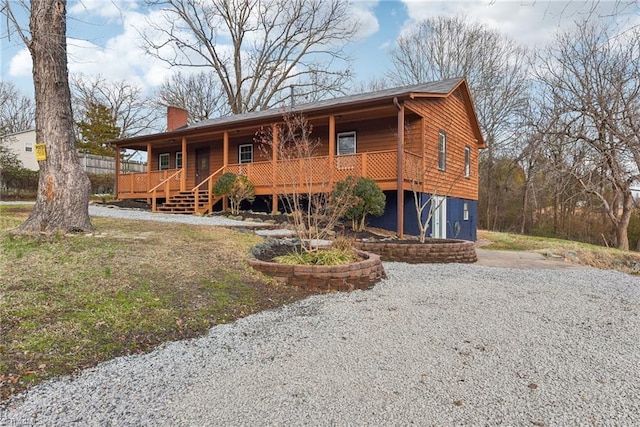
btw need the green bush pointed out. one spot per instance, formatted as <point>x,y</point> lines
<point>369,199</point>
<point>237,188</point>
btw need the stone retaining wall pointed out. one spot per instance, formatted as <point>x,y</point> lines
<point>443,251</point>
<point>357,275</point>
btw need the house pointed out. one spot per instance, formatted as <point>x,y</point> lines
<point>423,139</point>
<point>23,143</point>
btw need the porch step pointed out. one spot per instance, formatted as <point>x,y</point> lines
<point>184,203</point>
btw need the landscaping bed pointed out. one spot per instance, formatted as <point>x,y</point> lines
<point>360,274</point>
<point>414,252</point>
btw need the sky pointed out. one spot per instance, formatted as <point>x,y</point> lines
<point>103,36</point>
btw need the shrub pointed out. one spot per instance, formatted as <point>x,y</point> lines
<point>370,200</point>
<point>323,257</point>
<point>237,188</point>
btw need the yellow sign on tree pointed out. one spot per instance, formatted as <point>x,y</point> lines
<point>41,152</point>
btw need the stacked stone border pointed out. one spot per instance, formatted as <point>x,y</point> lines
<point>440,251</point>
<point>357,275</point>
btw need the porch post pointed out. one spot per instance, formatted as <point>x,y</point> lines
<point>183,177</point>
<point>422,154</point>
<point>115,184</point>
<point>274,165</point>
<point>149,160</point>
<point>399,184</point>
<point>225,162</point>
<point>332,148</point>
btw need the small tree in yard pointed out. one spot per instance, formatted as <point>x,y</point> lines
<point>307,191</point>
<point>369,199</point>
<point>237,188</point>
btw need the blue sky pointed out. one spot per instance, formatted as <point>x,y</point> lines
<point>102,33</point>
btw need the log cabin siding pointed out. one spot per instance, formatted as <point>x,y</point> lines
<point>450,116</point>
<point>371,135</point>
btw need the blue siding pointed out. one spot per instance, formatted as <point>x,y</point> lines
<point>457,227</point>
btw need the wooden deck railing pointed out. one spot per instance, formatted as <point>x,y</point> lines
<point>140,183</point>
<point>209,181</point>
<point>167,184</point>
<point>315,174</point>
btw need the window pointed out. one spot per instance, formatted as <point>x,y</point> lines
<point>163,161</point>
<point>245,153</point>
<point>465,211</point>
<point>178,159</point>
<point>346,143</point>
<point>28,146</point>
<point>467,162</point>
<point>442,151</point>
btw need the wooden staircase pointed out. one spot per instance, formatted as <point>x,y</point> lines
<point>185,203</point>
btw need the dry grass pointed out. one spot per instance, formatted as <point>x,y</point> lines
<point>576,252</point>
<point>69,302</point>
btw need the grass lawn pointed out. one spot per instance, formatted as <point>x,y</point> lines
<point>576,252</point>
<point>70,302</point>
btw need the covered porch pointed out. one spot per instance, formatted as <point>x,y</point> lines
<point>299,176</point>
<point>185,165</point>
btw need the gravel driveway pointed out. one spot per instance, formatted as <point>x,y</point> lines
<point>431,345</point>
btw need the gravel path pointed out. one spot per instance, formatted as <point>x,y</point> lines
<point>431,345</point>
<point>114,212</point>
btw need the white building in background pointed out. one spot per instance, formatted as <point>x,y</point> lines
<point>23,144</point>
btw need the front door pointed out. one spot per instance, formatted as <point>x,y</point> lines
<point>202,164</point>
<point>439,217</point>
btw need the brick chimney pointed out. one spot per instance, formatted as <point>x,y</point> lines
<point>176,117</point>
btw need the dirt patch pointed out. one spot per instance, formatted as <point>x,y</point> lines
<point>128,204</point>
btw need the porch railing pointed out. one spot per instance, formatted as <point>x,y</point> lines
<point>317,172</point>
<point>209,181</point>
<point>167,183</point>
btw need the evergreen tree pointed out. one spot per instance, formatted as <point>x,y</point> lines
<point>96,129</point>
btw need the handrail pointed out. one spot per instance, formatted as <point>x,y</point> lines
<point>208,178</point>
<point>165,182</point>
<point>196,192</point>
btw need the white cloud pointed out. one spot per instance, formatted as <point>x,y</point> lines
<point>121,57</point>
<point>364,12</point>
<point>532,23</point>
<point>20,65</point>
<point>111,9</point>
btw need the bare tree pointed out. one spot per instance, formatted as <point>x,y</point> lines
<point>63,187</point>
<point>133,112</point>
<point>591,80</point>
<point>495,67</point>
<point>200,94</point>
<point>16,110</point>
<point>307,191</point>
<point>258,48</point>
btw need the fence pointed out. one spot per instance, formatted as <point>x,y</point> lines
<point>107,165</point>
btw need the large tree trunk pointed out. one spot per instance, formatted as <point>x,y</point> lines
<point>622,225</point>
<point>63,187</point>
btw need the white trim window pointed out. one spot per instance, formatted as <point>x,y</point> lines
<point>245,153</point>
<point>164,161</point>
<point>442,151</point>
<point>467,161</point>
<point>346,143</point>
<point>465,211</point>
<point>28,146</point>
<point>178,159</point>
